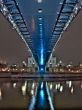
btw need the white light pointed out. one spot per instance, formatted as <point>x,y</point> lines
<point>0,94</point>
<point>39,10</point>
<point>14,85</point>
<point>42,85</point>
<point>70,84</point>
<point>39,1</point>
<point>61,3</point>
<point>4,9</point>
<point>61,88</point>
<point>32,92</point>
<point>72,90</point>
<point>58,85</point>
<point>23,90</point>
<point>33,86</point>
<point>50,86</point>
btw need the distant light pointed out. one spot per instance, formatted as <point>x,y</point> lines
<point>32,92</point>
<point>33,86</point>
<point>40,24</point>
<point>39,1</point>
<point>81,85</point>
<point>24,87</point>
<point>58,85</point>
<point>40,18</point>
<point>23,90</point>
<point>39,10</point>
<point>42,94</point>
<point>4,9</point>
<point>70,84</point>
<point>72,90</point>
<point>14,85</point>
<point>61,88</point>
<point>50,86</point>
<point>42,85</point>
<point>42,59</point>
<point>42,69</point>
<point>61,3</point>
<point>0,94</point>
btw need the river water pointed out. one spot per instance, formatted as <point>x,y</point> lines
<point>39,95</point>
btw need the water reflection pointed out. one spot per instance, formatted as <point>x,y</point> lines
<point>18,95</point>
<point>66,94</point>
<point>42,98</point>
<point>42,102</point>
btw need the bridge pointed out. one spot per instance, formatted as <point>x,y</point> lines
<point>40,24</point>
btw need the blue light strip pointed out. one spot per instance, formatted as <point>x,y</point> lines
<point>42,61</point>
<point>49,98</point>
<point>41,42</point>
<point>31,107</point>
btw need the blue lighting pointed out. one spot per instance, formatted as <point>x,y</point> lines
<point>42,91</point>
<point>41,69</point>
<point>42,99</point>
<point>41,42</point>
<point>40,18</point>
<point>42,59</point>
<point>40,24</point>
<point>42,94</point>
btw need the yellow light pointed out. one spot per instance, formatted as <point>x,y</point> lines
<point>72,90</point>
<point>33,86</point>
<point>32,92</point>
<point>14,85</point>
<point>0,94</point>
<point>81,85</point>
<point>23,90</point>
<point>50,86</point>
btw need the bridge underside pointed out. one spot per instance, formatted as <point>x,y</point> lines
<point>40,23</point>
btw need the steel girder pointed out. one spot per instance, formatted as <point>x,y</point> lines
<point>66,14</point>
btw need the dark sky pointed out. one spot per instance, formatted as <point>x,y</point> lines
<point>69,47</point>
<point>13,49</point>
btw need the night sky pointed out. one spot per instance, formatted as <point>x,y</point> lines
<point>12,48</point>
<point>69,48</point>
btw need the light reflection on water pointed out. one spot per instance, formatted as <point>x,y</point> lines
<point>42,99</point>
<point>19,94</point>
<point>41,102</point>
<point>66,94</point>
<point>16,94</point>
